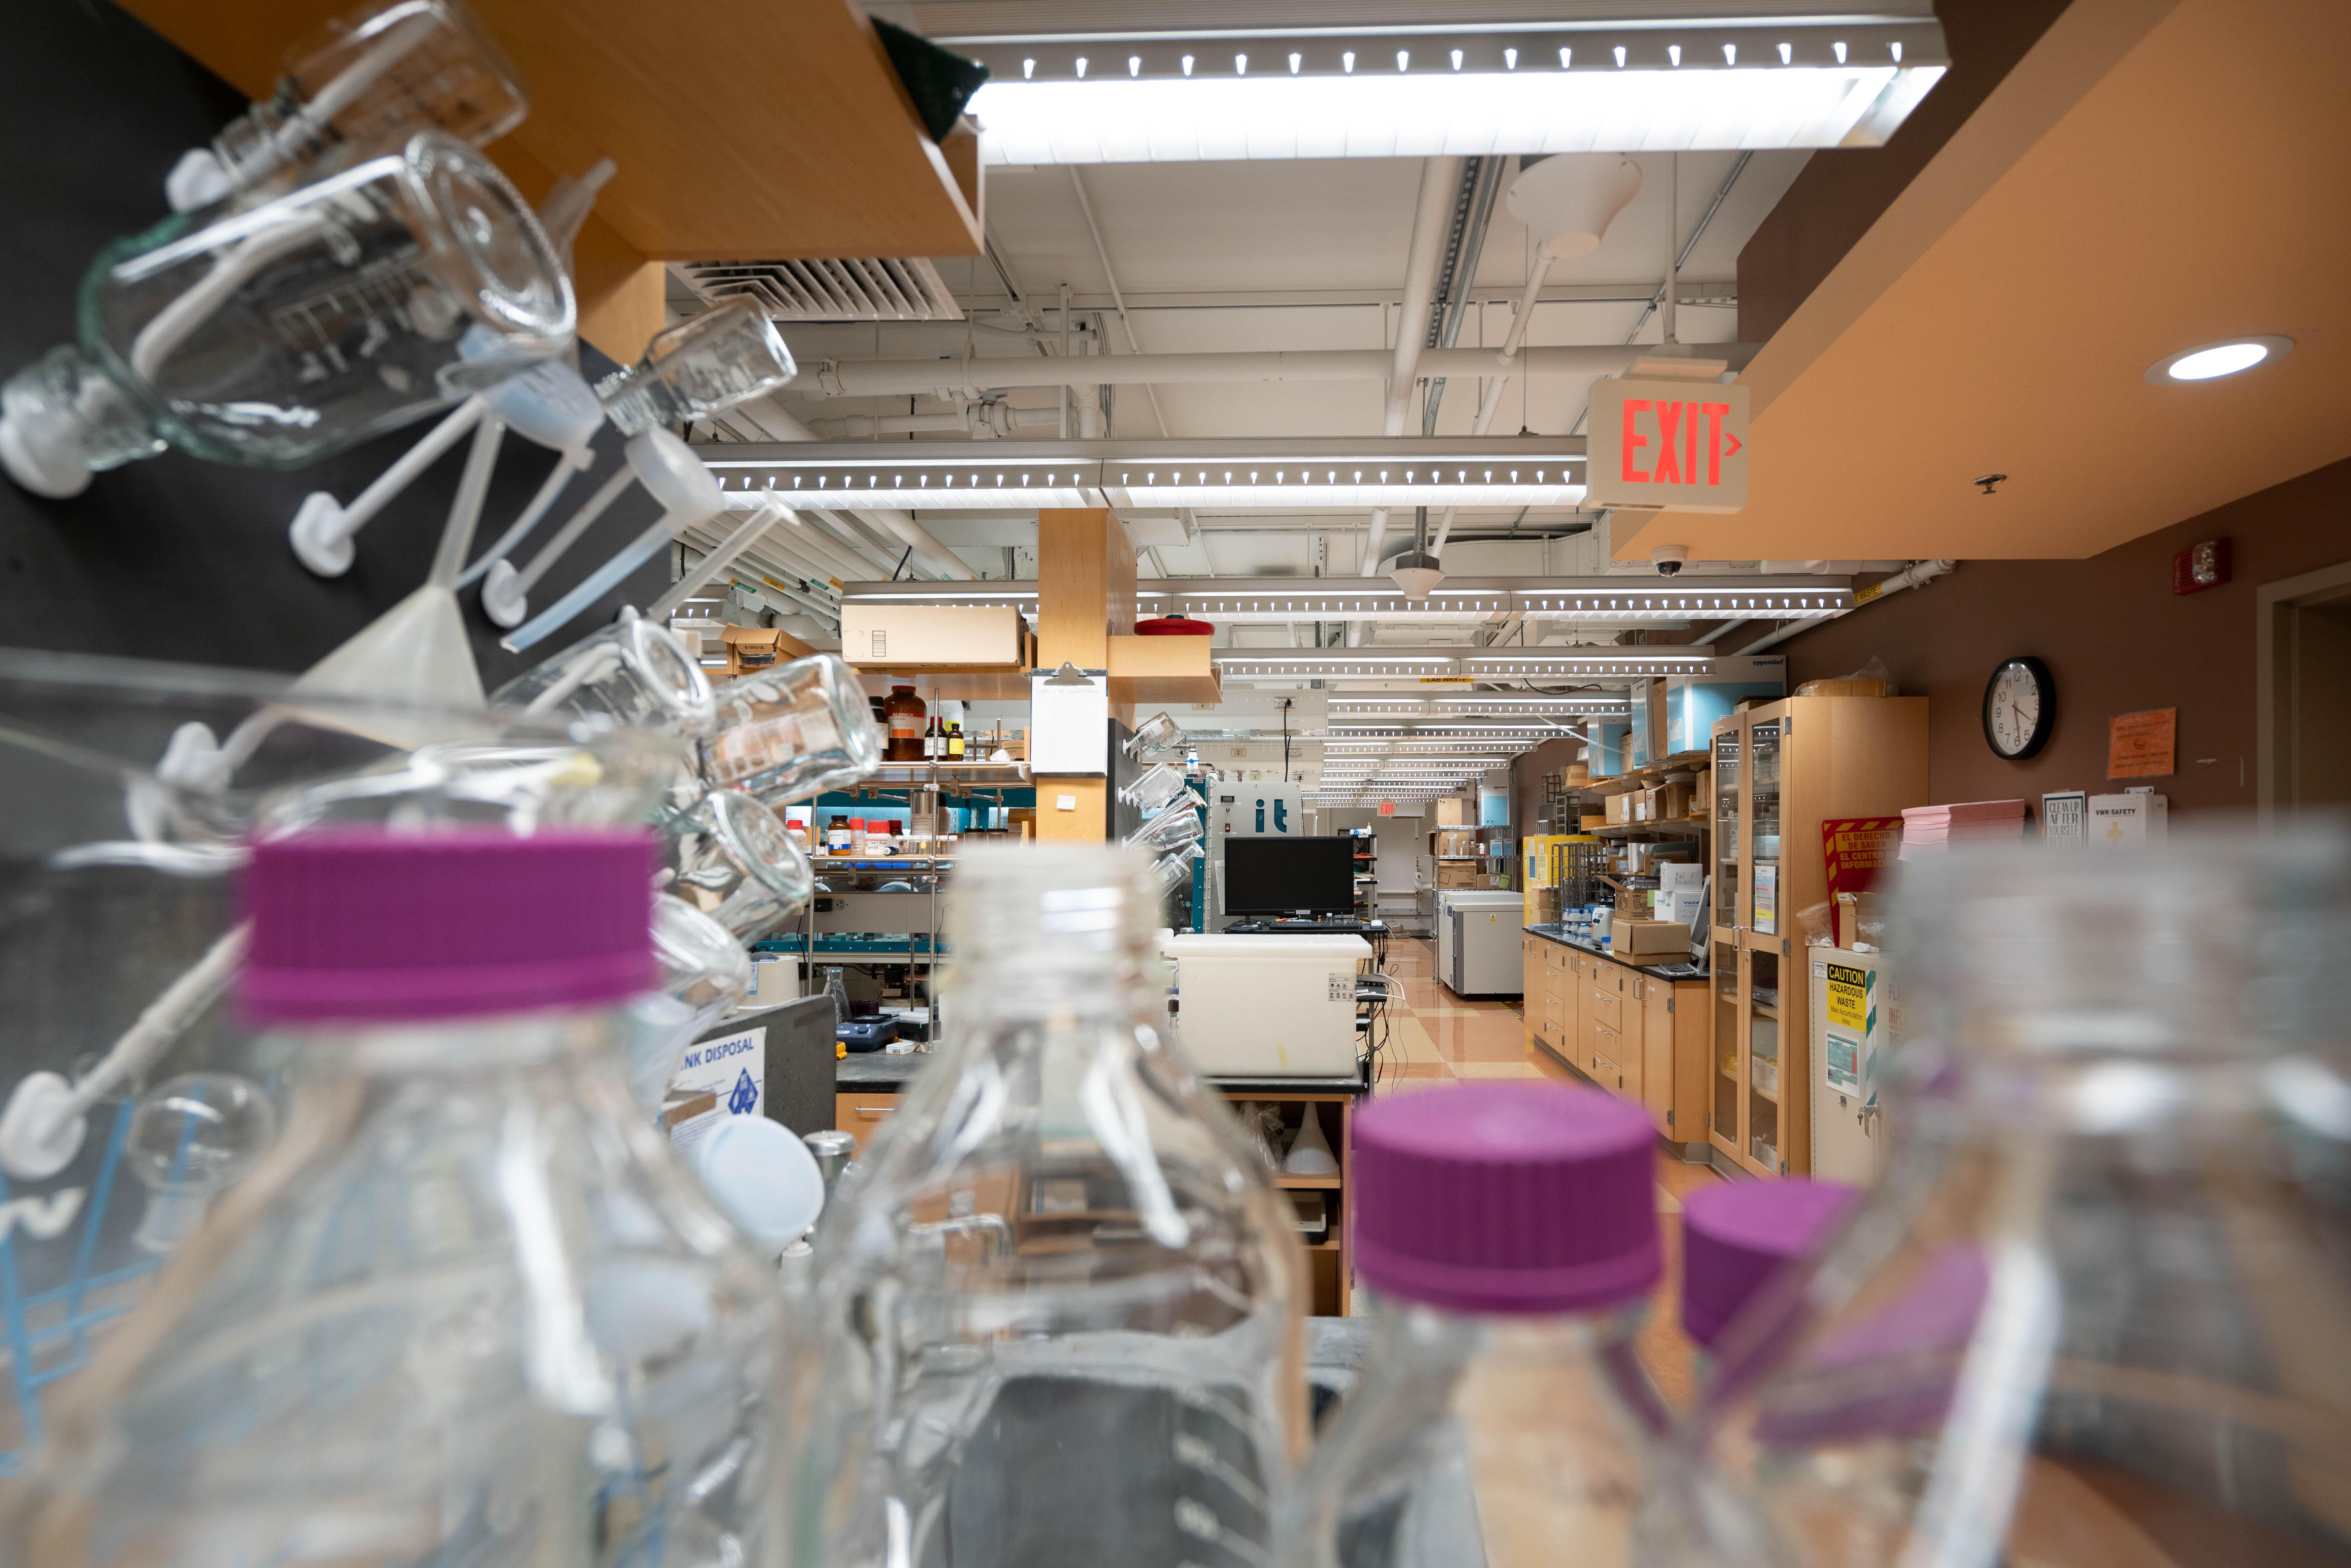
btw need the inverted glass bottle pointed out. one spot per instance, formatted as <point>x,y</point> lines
<point>276,331</point>
<point>2096,1312</point>
<point>1056,1299</point>
<point>1501,1420</point>
<point>467,1310</point>
<point>792,732</point>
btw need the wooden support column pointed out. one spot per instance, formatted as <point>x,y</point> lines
<point>1085,595</point>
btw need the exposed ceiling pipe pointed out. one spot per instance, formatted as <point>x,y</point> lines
<point>965,378</point>
<point>1440,179</point>
<point>930,555</point>
<point>1719,633</point>
<point>983,420</point>
<point>863,544</point>
<point>1118,300</point>
<point>1911,576</point>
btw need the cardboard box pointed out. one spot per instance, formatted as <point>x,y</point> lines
<point>1639,938</point>
<point>1702,794</point>
<point>750,648</point>
<point>2127,821</point>
<point>1679,908</point>
<point>932,636</point>
<point>1645,805</point>
<point>1694,702</point>
<point>1446,841</point>
<point>1454,811</point>
<point>1620,808</point>
<point>1667,802</point>
<point>1872,688</point>
<point>1590,820</point>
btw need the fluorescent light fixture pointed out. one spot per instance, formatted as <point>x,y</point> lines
<point>2211,361</point>
<point>1239,475</point>
<point>1601,662</point>
<point>1592,704</point>
<point>1374,93</point>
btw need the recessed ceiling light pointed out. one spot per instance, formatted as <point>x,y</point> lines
<point>2209,362</point>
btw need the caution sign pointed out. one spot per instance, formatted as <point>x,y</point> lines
<point>1848,998</point>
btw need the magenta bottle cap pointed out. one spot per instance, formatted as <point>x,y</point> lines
<point>1506,1198</point>
<point>366,925</point>
<point>1737,1236</point>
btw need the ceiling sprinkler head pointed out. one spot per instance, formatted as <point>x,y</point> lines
<point>1988,482</point>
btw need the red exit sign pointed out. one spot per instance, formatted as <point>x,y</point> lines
<point>1660,443</point>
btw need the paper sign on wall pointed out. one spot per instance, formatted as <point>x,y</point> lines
<point>1667,444</point>
<point>2141,745</point>
<point>2061,818</point>
<point>733,1068</point>
<point>1856,849</point>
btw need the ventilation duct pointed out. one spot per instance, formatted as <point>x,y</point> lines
<point>858,291</point>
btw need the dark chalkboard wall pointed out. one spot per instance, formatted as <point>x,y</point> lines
<point>174,558</point>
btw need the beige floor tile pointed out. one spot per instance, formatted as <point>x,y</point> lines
<point>1526,1070</point>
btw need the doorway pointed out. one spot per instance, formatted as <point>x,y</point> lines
<point>2303,624</point>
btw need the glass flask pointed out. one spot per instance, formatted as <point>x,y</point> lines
<point>1056,1320</point>
<point>468,1310</point>
<point>634,672</point>
<point>1158,733</point>
<point>2099,1310</point>
<point>729,856</point>
<point>1509,1233</point>
<point>127,817</point>
<point>1157,787</point>
<point>1177,824</point>
<point>277,334</point>
<point>703,974</point>
<point>793,732</point>
<point>701,366</point>
<point>370,78</point>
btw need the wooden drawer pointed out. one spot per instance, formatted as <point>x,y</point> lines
<point>1608,1005</point>
<point>861,1113</point>
<point>1554,1016</point>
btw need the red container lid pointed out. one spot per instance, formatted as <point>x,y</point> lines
<point>1174,626</point>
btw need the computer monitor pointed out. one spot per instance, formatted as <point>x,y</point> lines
<point>1277,875</point>
<point>1702,923</point>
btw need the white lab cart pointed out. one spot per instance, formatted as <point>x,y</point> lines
<point>1851,1019</point>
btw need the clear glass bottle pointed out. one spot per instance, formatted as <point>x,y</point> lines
<point>468,1310</point>
<point>729,856</point>
<point>793,732</point>
<point>839,993</point>
<point>1056,1316</point>
<point>275,334</point>
<point>2096,1312</point>
<point>368,78</point>
<point>697,368</point>
<point>1509,1233</point>
<point>633,673</point>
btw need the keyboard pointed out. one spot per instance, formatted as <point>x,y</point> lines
<point>1306,928</point>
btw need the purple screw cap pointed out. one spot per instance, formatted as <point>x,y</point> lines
<point>365,925</point>
<point>1736,1237</point>
<point>1494,1198</point>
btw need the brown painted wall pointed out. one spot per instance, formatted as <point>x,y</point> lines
<point>1843,190</point>
<point>2116,640</point>
<point>1527,770</point>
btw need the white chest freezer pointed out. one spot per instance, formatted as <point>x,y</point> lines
<point>1268,1006</point>
<point>1504,909</point>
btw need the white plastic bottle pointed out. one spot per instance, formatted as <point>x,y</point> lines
<point>468,1310</point>
<point>1510,1233</point>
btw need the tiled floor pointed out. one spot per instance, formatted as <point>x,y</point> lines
<point>1435,1038</point>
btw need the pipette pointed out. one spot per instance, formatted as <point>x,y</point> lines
<point>367,78</point>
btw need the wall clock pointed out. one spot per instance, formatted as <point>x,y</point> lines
<point>2020,706</point>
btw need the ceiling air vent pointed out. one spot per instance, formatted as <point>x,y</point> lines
<point>862,290</point>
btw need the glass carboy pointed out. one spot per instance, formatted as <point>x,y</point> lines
<point>467,1311</point>
<point>2099,1310</point>
<point>1056,1320</point>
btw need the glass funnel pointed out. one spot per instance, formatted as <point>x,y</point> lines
<point>117,934</point>
<point>277,333</point>
<point>1056,1318</point>
<point>2095,1312</point>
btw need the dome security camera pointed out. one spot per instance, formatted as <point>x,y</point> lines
<point>1669,558</point>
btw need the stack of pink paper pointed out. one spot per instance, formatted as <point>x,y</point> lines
<point>1933,830</point>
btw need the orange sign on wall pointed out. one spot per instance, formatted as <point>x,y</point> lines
<point>2142,745</point>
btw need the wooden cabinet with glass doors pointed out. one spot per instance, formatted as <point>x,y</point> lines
<point>1779,769</point>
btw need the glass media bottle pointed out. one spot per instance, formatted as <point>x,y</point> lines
<point>2099,1310</point>
<point>1510,1234</point>
<point>1055,1298</point>
<point>467,1311</point>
